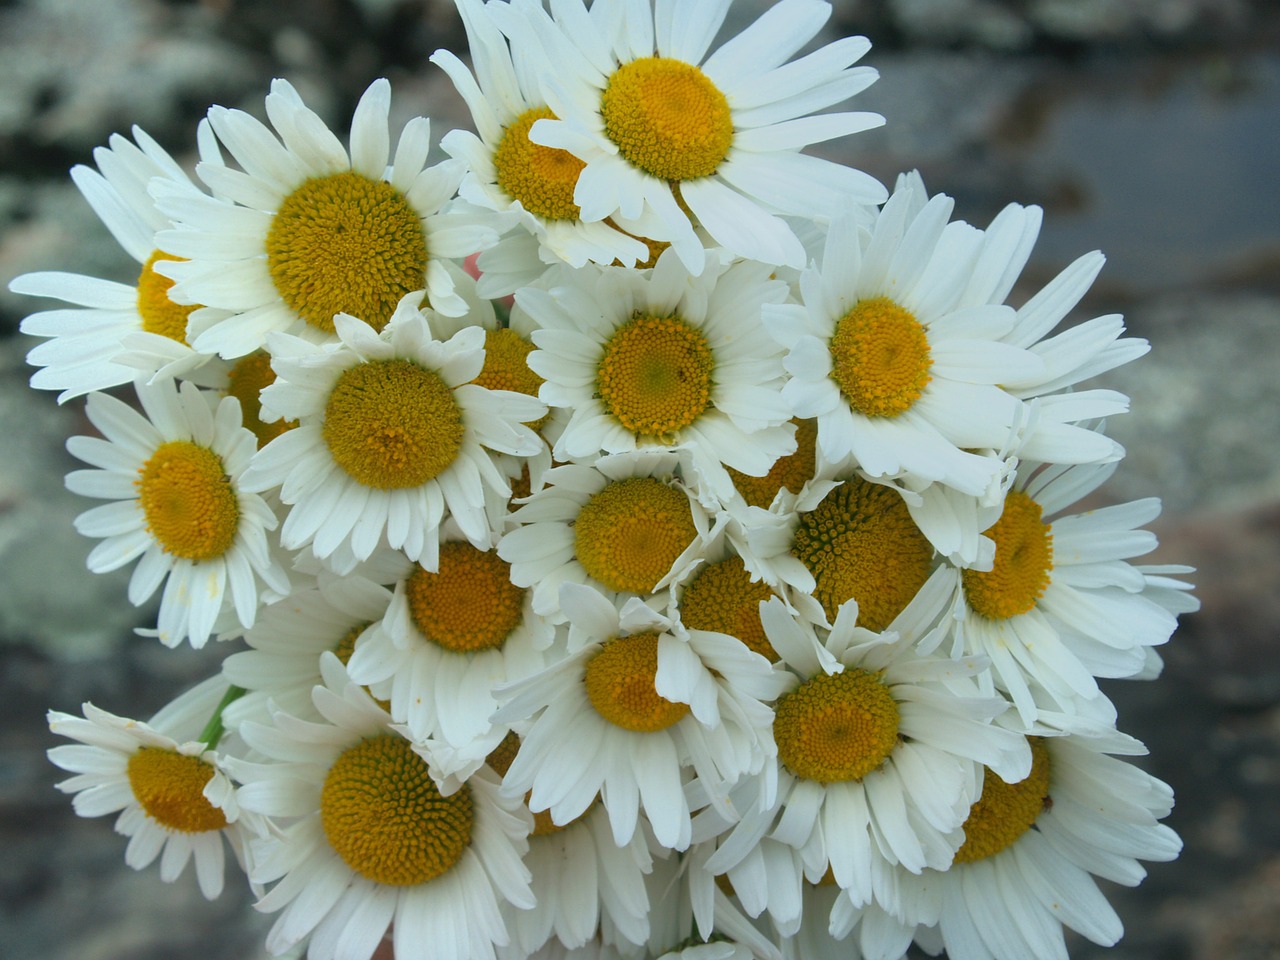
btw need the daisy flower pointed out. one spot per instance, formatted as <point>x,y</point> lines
<point>902,379</point>
<point>1062,604</point>
<point>305,230</point>
<point>392,436</point>
<point>664,359</point>
<point>113,331</point>
<point>173,796</point>
<point>667,129</point>
<point>373,843</point>
<point>174,479</point>
<point>629,711</point>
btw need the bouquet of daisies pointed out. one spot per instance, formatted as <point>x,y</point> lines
<point>633,536</point>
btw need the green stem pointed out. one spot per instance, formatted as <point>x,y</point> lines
<point>213,730</point>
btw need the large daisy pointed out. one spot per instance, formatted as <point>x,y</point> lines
<point>392,436</point>
<point>668,130</point>
<point>174,479</point>
<point>315,230</point>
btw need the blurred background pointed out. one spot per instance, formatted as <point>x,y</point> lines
<point>1149,129</point>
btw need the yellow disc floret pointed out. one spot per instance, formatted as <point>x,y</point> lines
<point>880,358</point>
<point>160,314</point>
<point>837,727</point>
<point>791,472</point>
<point>620,685</point>
<point>860,543</point>
<point>667,118</point>
<point>654,375</point>
<point>630,534</point>
<point>344,243</point>
<point>392,424</point>
<point>506,365</point>
<point>245,382</point>
<point>541,178</point>
<point>170,788</point>
<point>188,501</point>
<point>723,599</point>
<point>1006,811</point>
<point>385,818</point>
<point>469,604</point>
<point>1024,561</point>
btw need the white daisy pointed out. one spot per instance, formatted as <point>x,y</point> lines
<point>393,436</point>
<point>664,359</point>
<point>667,130</point>
<point>174,477</point>
<point>174,799</point>
<point>901,377</point>
<point>314,230</point>
<point>113,331</point>
<point>375,843</point>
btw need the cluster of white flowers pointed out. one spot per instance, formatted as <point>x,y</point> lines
<point>692,574</point>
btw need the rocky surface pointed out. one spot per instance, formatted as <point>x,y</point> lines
<point>1147,128</point>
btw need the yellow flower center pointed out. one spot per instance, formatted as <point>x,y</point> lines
<point>188,501</point>
<point>343,243</point>
<point>506,365</point>
<point>1006,811</point>
<point>723,599</point>
<point>837,727</point>
<point>500,760</point>
<point>160,314</point>
<point>470,604</point>
<point>880,358</point>
<point>392,424</point>
<point>382,814</point>
<point>1024,560</point>
<point>245,382</point>
<point>541,178</point>
<point>170,788</point>
<point>667,118</point>
<point>654,375</point>
<point>860,543</point>
<point>630,534</point>
<point>792,471</point>
<point>620,685</point>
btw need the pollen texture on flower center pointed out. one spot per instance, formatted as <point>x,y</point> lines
<point>160,314</point>
<point>1006,811</point>
<point>723,599</point>
<point>344,243</point>
<point>1024,561</point>
<point>188,501</point>
<point>620,685</point>
<point>392,424</point>
<point>654,375</point>
<point>384,816</point>
<point>791,472</point>
<point>170,788</point>
<point>838,727</point>
<point>880,358</point>
<point>541,178</point>
<point>630,534</point>
<point>245,381</point>
<point>667,118</point>
<point>469,604</point>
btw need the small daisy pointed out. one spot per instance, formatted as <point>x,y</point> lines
<point>901,378</point>
<point>315,230</point>
<point>174,799</point>
<point>665,359</point>
<point>666,130</point>
<point>373,843</point>
<point>392,436</point>
<point>1062,604</point>
<point>174,477</point>
<point>113,330</point>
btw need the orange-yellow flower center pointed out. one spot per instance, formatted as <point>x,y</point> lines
<point>160,314</point>
<point>654,375</point>
<point>188,501</point>
<point>1024,562</point>
<point>630,534</point>
<point>1006,811</point>
<point>245,382</point>
<point>791,472</point>
<point>620,682</point>
<point>170,788</point>
<point>385,818</point>
<point>880,358</point>
<point>392,424</point>
<point>667,118</point>
<point>860,543</point>
<point>506,365</point>
<point>469,604</point>
<point>723,599</point>
<point>541,178</point>
<point>837,727</point>
<point>343,243</point>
